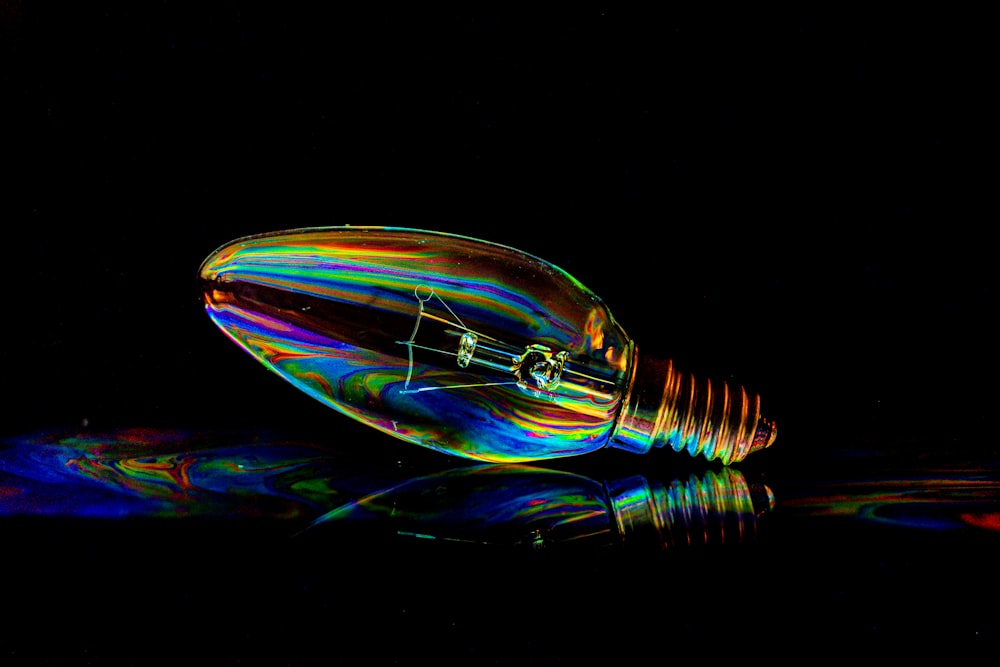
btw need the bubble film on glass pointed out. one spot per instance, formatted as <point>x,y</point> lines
<point>463,346</point>
<point>458,345</point>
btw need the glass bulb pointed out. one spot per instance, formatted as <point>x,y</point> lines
<point>464,346</point>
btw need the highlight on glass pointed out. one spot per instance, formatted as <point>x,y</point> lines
<point>463,346</point>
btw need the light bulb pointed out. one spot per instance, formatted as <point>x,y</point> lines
<point>467,347</point>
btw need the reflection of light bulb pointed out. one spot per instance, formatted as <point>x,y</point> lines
<point>463,346</point>
<point>521,505</point>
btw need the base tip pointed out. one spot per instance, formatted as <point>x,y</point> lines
<point>767,431</point>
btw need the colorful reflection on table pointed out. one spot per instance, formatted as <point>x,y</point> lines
<point>151,473</point>
<point>307,485</point>
<point>949,497</point>
<point>539,507</point>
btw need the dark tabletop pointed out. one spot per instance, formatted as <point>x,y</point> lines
<point>798,202</point>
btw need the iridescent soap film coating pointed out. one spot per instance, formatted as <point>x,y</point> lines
<point>172,473</point>
<point>462,346</point>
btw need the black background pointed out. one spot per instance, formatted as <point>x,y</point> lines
<point>802,203</point>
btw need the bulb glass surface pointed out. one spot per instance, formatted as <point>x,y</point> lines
<point>464,346</point>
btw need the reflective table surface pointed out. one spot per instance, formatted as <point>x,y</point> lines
<point>794,202</point>
<point>248,546</point>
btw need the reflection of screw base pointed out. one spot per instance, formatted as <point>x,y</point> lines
<point>665,407</point>
<point>711,508</point>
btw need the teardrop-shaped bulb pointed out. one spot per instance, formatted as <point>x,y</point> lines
<point>463,346</point>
